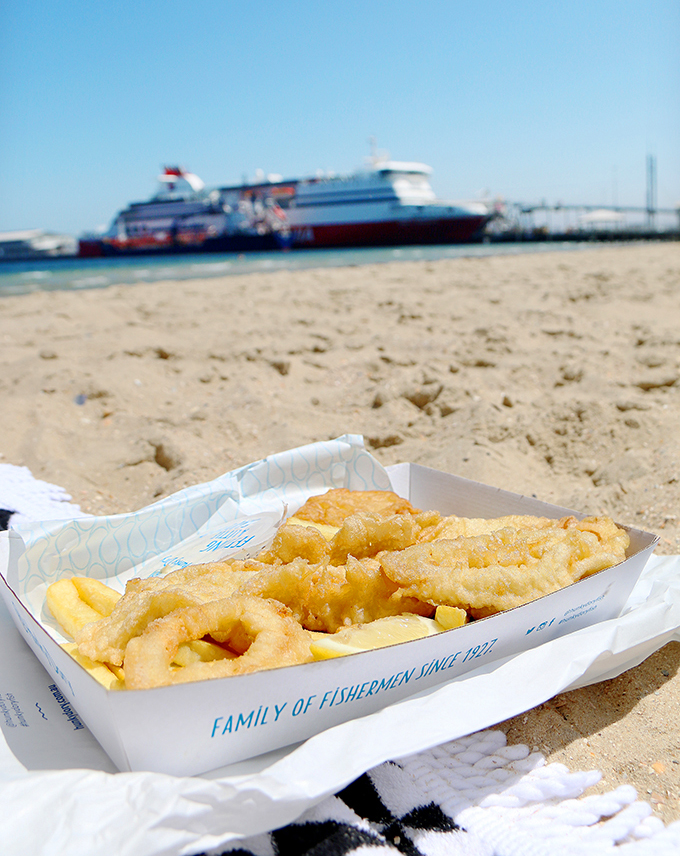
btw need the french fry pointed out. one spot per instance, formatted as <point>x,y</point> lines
<point>324,528</point>
<point>117,671</point>
<point>70,611</point>
<point>200,649</point>
<point>99,671</point>
<point>100,597</point>
<point>450,616</point>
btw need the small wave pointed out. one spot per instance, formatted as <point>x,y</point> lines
<point>91,282</point>
<point>216,268</point>
<point>35,274</point>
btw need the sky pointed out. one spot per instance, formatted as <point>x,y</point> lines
<point>527,101</point>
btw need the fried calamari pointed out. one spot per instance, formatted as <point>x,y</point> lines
<point>274,639</point>
<point>465,527</point>
<point>346,558</point>
<point>146,600</point>
<point>508,567</point>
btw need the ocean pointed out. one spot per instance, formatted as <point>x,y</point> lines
<point>69,274</point>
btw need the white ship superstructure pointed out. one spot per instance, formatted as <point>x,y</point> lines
<point>391,202</point>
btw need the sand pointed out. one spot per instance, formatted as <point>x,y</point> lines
<point>555,374</point>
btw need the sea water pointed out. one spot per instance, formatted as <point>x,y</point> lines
<point>71,274</point>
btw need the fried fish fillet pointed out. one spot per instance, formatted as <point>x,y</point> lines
<point>488,573</point>
<point>334,506</point>
<point>293,541</point>
<point>326,597</point>
<point>361,535</point>
<point>365,534</point>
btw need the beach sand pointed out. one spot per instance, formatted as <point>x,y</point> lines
<point>555,374</point>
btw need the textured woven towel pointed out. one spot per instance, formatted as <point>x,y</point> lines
<point>474,796</point>
<point>24,498</point>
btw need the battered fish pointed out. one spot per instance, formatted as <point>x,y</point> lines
<point>334,506</point>
<point>361,535</point>
<point>327,597</point>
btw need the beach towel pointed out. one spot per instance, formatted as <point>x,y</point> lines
<point>476,795</point>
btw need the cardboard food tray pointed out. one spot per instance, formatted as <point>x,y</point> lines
<point>226,720</point>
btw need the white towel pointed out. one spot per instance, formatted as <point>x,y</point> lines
<point>25,498</point>
<point>475,796</point>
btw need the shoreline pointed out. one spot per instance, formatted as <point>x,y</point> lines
<point>553,373</point>
<point>553,241</point>
<point>74,273</point>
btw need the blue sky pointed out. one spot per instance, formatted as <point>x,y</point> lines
<point>560,101</point>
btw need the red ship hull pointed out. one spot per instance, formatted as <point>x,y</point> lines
<point>458,230</point>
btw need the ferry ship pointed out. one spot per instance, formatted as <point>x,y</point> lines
<point>387,203</point>
<point>184,217</point>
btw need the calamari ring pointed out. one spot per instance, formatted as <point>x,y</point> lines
<point>485,574</point>
<point>277,640</point>
<point>146,600</point>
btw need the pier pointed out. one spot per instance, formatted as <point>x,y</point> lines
<point>516,221</point>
